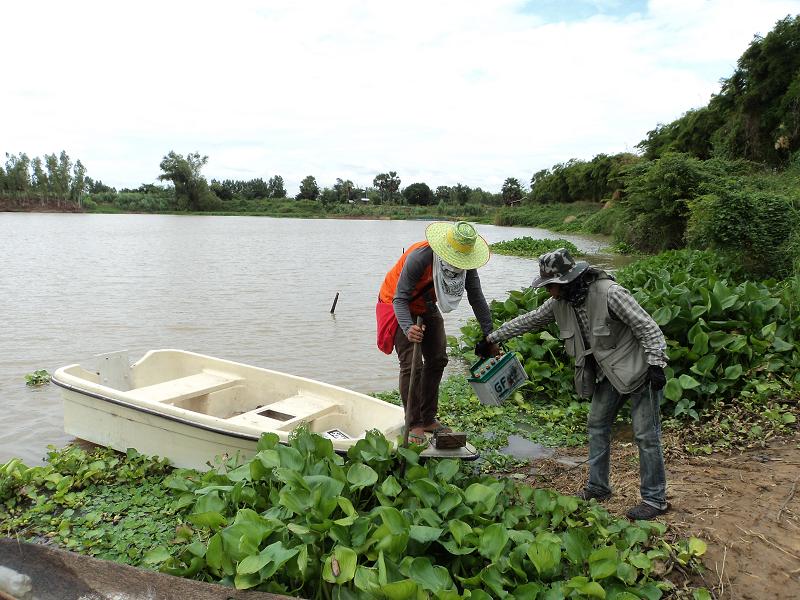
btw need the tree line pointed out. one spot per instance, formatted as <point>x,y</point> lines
<point>42,181</point>
<point>57,181</point>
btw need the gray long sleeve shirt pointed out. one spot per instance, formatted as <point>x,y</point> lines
<point>413,270</point>
<point>622,306</point>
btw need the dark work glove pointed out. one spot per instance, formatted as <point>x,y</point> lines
<point>657,378</point>
<point>483,348</point>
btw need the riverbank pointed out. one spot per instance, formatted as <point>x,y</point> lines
<point>576,218</point>
<point>745,505</point>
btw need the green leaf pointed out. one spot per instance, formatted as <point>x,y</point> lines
<point>662,316</point>
<point>627,573</point>
<point>459,530</point>
<point>479,493</point>
<point>424,534</point>
<point>603,563</point>
<point>640,561</point>
<point>210,502</point>
<point>688,382</point>
<point>340,565</point>
<point>400,590</point>
<point>430,577</point>
<point>426,490</point>
<point>673,390</point>
<point>447,469</point>
<point>701,594</point>
<point>545,554</point>
<point>577,545</point>
<point>593,589</point>
<point>781,345</point>
<point>393,519</point>
<point>211,520</point>
<point>697,547</point>
<point>390,487</point>
<point>157,555</point>
<point>492,542</point>
<point>733,372</point>
<point>360,476</point>
<point>215,551</point>
<point>703,366</point>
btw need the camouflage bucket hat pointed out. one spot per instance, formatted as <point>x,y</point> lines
<point>558,267</point>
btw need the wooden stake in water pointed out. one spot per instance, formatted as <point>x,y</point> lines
<point>335,300</point>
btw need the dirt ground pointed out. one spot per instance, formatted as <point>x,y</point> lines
<point>746,506</point>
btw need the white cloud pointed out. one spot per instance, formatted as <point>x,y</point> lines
<point>439,91</point>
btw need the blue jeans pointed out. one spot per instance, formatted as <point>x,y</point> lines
<point>646,416</point>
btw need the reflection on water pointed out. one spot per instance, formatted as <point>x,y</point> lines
<point>519,447</point>
<point>250,289</point>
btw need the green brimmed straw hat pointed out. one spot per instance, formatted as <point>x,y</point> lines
<point>458,244</point>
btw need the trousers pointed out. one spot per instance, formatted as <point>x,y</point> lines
<point>421,406</point>
<point>646,417</point>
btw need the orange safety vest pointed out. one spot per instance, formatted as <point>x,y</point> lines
<point>389,286</point>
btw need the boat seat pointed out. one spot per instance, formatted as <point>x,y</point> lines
<point>175,390</point>
<point>288,413</point>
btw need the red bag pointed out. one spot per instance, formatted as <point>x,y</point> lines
<point>387,326</point>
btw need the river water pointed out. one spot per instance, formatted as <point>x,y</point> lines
<point>250,289</point>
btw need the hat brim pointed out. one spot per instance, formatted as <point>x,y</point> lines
<point>436,234</point>
<point>567,277</point>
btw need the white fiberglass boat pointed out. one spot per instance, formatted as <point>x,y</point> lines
<point>191,408</point>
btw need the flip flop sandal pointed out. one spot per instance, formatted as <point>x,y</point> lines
<point>417,439</point>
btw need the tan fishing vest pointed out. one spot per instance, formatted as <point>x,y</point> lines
<point>612,343</point>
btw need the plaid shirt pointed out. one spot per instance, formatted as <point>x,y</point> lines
<point>621,305</point>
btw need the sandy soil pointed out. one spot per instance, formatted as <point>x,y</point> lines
<point>746,506</point>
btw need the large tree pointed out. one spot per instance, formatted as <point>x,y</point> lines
<point>309,190</point>
<point>418,194</point>
<point>191,188</point>
<point>275,187</point>
<point>512,191</point>
<point>388,185</point>
<point>343,189</point>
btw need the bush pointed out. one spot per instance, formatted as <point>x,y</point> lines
<point>756,229</point>
<point>659,192</point>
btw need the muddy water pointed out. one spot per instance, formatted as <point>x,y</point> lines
<point>248,289</point>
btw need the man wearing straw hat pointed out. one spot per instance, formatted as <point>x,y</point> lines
<point>431,273</point>
<point>620,354</point>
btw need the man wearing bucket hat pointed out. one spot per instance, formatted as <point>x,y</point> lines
<point>430,278</point>
<point>620,354</point>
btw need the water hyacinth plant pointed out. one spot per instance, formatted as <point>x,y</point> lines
<point>531,247</point>
<point>724,337</point>
<point>301,520</point>
<point>37,378</point>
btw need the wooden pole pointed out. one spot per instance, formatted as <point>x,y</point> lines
<point>411,388</point>
<point>335,300</point>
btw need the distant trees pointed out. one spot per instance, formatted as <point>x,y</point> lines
<point>275,187</point>
<point>191,188</point>
<point>309,190</point>
<point>388,185</point>
<point>343,189</point>
<point>418,194</point>
<point>511,191</point>
<point>56,180</point>
<point>577,180</point>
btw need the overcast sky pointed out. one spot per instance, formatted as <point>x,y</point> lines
<point>439,91</point>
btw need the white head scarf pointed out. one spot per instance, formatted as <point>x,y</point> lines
<point>448,282</point>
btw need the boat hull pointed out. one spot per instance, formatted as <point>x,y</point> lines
<point>197,410</point>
